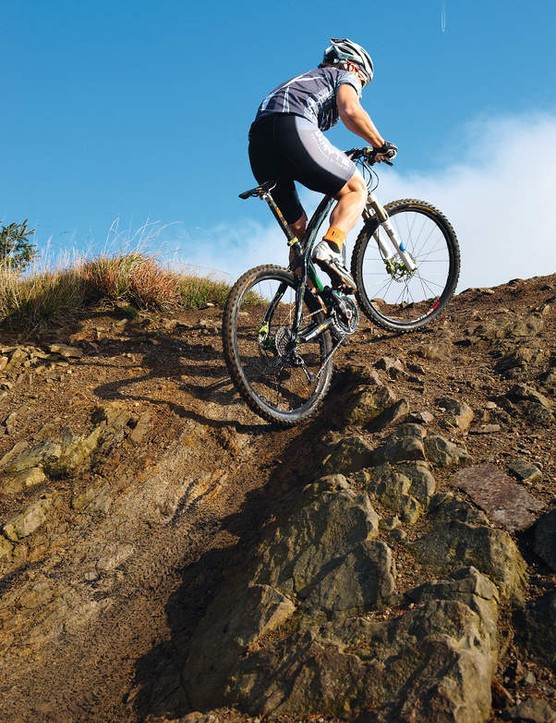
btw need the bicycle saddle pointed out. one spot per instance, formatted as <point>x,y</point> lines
<point>260,191</point>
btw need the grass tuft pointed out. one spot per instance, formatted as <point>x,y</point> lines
<point>135,278</point>
<point>196,292</point>
<point>34,299</point>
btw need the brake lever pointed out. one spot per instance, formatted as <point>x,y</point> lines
<point>372,158</point>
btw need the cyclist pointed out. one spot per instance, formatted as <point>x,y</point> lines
<point>286,144</point>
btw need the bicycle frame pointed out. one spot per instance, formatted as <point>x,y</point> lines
<point>282,326</point>
<point>303,248</point>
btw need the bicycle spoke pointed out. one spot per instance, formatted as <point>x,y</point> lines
<point>278,377</point>
<point>391,294</point>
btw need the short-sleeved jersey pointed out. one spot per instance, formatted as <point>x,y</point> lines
<point>311,95</point>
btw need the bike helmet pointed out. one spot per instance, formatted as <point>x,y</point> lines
<point>344,50</point>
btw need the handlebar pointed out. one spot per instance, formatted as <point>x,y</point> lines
<point>369,154</point>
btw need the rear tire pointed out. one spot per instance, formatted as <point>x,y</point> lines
<point>391,297</point>
<point>264,365</point>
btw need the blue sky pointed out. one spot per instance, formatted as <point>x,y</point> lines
<point>122,112</point>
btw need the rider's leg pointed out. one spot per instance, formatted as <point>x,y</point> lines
<point>352,198</point>
<point>300,226</point>
<point>328,253</point>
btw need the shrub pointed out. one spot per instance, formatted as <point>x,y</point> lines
<point>16,250</point>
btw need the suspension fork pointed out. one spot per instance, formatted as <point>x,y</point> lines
<point>383,219</point>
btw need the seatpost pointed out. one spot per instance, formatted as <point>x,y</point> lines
<point>293,242</point>
<point>292,238</point>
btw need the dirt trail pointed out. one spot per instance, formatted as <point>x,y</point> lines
<point>98,603</point>
<point>88,600</point>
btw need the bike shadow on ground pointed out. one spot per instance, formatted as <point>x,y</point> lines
<point>158,686</point>
<point>197,369</point>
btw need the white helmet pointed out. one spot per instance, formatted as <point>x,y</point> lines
<point>343,49</point>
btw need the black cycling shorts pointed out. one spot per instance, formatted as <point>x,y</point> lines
<point>287,148</point>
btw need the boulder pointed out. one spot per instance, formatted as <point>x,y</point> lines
<point>76,455</point>
<point>521,356</point>
<point>21,458</point>
<point>28,521</point>
<point>6,548</point>
<point>397,412</point>
<point>459,536</point>
<point>349,455</point>
<point>458,415</point>
<point>530,403</point>
<point>443,453</point>
<point>545,538</point>
<point>523,392</point>
<point>394,368</point>
<point>432,662</point>
<point>531,710</point>
<point>66,351</point>
<point>366,403</point>
<point>405,444</point>
<point>330,522</point>
<point>392,489</point>
<point>423,484</point>
<point>364,579</point>
<point>536,625</point>
<point>232,624</point>
<point>548,381</point>
<point>525,470</point>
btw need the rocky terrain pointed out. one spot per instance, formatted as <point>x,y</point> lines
<point>165,555</point>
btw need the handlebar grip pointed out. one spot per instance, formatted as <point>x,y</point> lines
<point>370,155</point>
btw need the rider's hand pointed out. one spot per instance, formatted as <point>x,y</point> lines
<point>386,152</point>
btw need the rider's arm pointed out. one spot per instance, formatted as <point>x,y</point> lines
<point>355,118</point>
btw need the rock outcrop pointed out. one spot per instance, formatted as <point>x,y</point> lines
<point>317,622</point>
<point>166,556</point>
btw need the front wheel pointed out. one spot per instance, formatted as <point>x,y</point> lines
<point>280,379</point>
<point>392,296</point>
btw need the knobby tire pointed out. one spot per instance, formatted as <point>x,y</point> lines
<point>407,303</point>
<point>272,388</point>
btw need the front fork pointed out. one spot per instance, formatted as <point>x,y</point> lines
<point>375,208</point>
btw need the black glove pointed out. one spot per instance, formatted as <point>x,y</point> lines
<point>386,152</point>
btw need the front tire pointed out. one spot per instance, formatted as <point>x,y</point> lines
<point>390,296</point>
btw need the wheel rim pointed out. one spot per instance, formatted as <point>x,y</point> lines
<point>395,295</point>
<point>269,362</point>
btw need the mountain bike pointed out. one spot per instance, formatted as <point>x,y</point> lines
<point>282,326</point>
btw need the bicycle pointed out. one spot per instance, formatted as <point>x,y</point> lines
<point>281,329</point>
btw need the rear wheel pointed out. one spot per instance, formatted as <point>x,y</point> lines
<point>391,296</point>
<point>282,381</point>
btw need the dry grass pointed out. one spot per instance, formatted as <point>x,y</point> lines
<point>31,300</point>
<point>196,292</point>
<point>135,278</point>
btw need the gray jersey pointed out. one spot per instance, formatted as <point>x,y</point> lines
<point>311,95</point>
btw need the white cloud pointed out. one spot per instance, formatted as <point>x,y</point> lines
<point>500,196</point>
<point>228,252</point>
